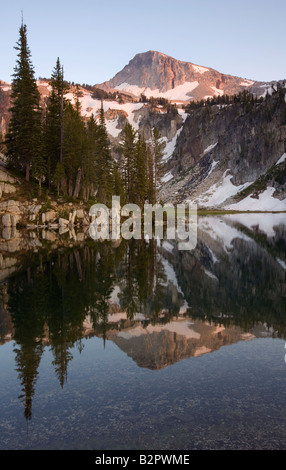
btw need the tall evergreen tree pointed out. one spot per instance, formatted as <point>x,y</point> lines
<point>104,163</point>
<point>54,121</point>
<point>24,131</point>
<point>118,183</point>
<point>141,171</point>
<point>128,150</point>
<point>88,164</point>
<point>158,146</point>
<point>151,196</point>
<point>39,163</point>
<point>73,148</point>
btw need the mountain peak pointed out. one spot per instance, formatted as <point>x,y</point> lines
<point>153,73</point>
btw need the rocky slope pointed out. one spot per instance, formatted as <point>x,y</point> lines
<point>226,152</point>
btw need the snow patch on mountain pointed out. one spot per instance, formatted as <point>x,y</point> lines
<point>171,144</point>
<point>200,69</point>
<point>213,165</point>
<point>180,92</point>
<point>210,274</point>
<point>217,91</point>
<point>167,177</point>
<point>209,148</point>
<point>268,89</point>
<point>281,159</point>
<point>92,106</point>
<point>264,202</point>
<point>111,127</point>
<point>282,263</point>
<point>246,83</point>
<point>220,192</point>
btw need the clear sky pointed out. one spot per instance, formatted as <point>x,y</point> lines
<point>96,39</point>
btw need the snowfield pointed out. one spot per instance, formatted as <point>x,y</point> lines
<point>265,202</point>
<point>281,159</point>
<point>220,192</point>
<point>246,83</point>
<point>209,148</point>
<point>200,69</point>
<point>92,106</point>
<point>167,177</point>
<point>171,144</point>
<point>180,92</point>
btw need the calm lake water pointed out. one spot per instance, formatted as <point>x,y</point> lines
<point>143,346</point>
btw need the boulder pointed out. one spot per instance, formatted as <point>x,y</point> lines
<point>15,218</point>
<point>63,222</point>
<point>48,216</point>
<point>72,217</point>
<point>63,229</point>
<point>6,177</point>
<point>14,207</point>
<point>7,188</point>
<point>80,213</point>
<point>34,208</point>
<point>6,220</point>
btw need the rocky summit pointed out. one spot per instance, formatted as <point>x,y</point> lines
<point>155,74</point>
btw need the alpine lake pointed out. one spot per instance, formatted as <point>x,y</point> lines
<point>140,345</point>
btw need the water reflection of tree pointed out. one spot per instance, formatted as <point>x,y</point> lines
<point>50,300</point>
<point>247,289</point>
<point>102,285</point>
<point>28,296</point>
<point>142,280</point>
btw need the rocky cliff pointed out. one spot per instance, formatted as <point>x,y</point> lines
<point>223,150</point>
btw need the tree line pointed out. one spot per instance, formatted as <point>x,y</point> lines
<point>55,145</point>
<point>244,97</point>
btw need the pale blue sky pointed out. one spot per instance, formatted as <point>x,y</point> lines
<point>96,39</point>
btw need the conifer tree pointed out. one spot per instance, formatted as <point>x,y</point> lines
<point>39,164</point>
<point>158,146</point>
<point>54,120</point>
<point>128,149</point>
<point>73,148</point>
<point>141,172</point>
<point>88,164</point>
<point>103,162</point>
<point>24,131</point>
<point>118,183</point>
<point>150,176</point>
<point>59,177</point>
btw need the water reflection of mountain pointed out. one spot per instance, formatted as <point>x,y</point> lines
<point>158,304</point>
<point>158,346</point>
<point>237,271</point>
